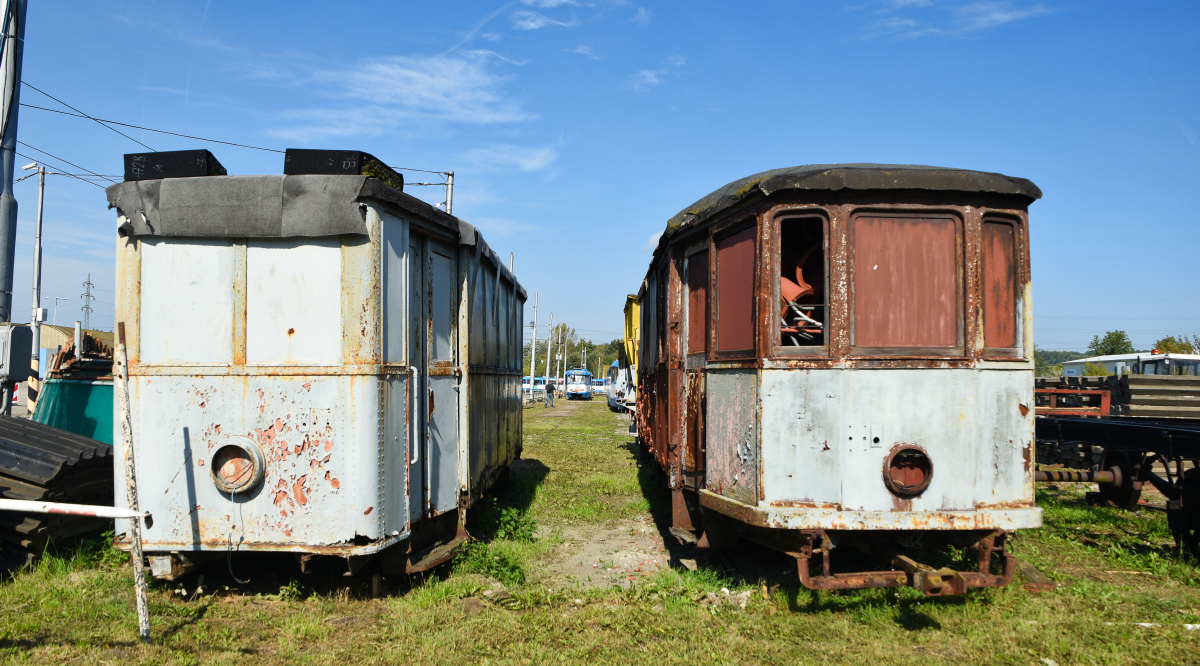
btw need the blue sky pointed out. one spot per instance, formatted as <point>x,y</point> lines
<point>577,128</point>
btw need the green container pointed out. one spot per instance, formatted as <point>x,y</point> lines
<point>78,406</point>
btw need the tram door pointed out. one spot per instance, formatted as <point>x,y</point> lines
<point>696,344</point>
<point>433,471</point>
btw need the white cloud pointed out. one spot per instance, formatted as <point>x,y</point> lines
<point>526,20</point>
<point>584,50</point>
<point>508,156</point>
<point>382,93</point>
<point>982,15</point>
<point>653,242</point>
<point>490,37</point>
<point>910,19</point>
<point>646,79</point>
<point>547,4</point>
<point>642,17</point>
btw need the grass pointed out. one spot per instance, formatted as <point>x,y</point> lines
<point>1115,568</point>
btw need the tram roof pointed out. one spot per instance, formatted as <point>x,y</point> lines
<point>852,177</point>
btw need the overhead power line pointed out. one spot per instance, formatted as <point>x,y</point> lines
<point>71,163</point>
<point>65,174</point>
<point>195,138</point>
<point>84,115</point>
<point>149,129</point>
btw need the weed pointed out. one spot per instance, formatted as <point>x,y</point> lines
<point>478,557</point>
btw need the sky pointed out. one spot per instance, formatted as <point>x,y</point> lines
<point>576,128</point>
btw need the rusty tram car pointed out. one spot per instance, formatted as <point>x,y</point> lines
<point>319,363</point>
<point>842,355</point>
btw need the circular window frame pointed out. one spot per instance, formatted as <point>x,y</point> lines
<point>252,452</point>
<point>906,492</point>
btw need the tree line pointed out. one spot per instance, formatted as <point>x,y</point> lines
<point>1049,363</point>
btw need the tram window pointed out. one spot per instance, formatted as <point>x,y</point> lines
<point>802,304</point>
<point>999,286</point>
<point>735,292</point>
<point>697,282</point>
<point>905,282</point>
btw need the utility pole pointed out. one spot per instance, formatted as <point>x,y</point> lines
<point>39,313</point>
<point>533,351</point>
<point>87,303</point>
<point>450,195</point>
<point>562,341</point>
<point>12,46</point>
<point>56,300</point>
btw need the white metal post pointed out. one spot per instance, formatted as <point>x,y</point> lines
<point>549,349</point>
<point>38,314</point>
<point>135,525</point>
<point>450,196</point>
<point>533,352</point>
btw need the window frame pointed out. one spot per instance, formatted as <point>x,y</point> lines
<point>1005,353</point>
<point>779,350</point>
<point>956,351</point>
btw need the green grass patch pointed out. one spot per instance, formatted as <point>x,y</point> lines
<point>1116,568</point>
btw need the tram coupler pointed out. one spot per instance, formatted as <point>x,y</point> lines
<point>929,581</point>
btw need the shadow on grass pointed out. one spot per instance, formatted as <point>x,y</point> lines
<point>502,513</point>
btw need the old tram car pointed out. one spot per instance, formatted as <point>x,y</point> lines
<point>319,364</point>
<point>841,355</point>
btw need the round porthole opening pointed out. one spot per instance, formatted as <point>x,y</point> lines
<point>908,470</point>
<point>237,466</point>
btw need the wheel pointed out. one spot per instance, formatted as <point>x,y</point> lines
<point>1126,495</point>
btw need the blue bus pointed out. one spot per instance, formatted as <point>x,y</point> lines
<point>579,384</point>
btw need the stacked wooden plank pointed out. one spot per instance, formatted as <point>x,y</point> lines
<point>39,462</point>
<point>1156,396</point>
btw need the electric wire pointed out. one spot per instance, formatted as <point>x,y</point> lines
<point>149,129</point>
<point>66,162</point>
<point>89,117</point>
<point>65,174</point>
<point>200,138</point>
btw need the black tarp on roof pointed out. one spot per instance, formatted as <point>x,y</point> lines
<point>851,177</point>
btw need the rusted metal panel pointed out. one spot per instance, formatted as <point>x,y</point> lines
<point>905,282</point>
<point>735,291</point>
<point>731,436</point>
<point>697,303</point>
<point>694,454</point>
<point>999,285</point>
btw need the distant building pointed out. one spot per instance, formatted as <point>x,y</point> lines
<point>1137,364</point>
